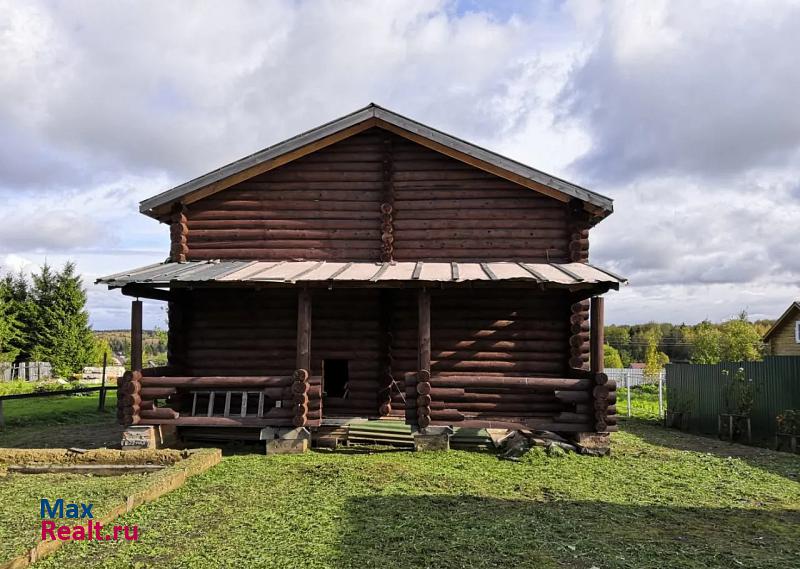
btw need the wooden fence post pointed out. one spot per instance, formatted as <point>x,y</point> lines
<point>101,404</point>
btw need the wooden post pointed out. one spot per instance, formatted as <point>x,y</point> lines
<point>597,337</point>
<point>304,329</point>
<point>136,335</point>
<point>424,330</point>
<point>101,404</point>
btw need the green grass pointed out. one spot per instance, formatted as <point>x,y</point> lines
<point>20,495</point>
<point>664,499</point>
<point>644,402</point>
<point>60,421</point>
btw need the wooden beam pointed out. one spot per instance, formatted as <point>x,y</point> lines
<point>424,329</point>
<point>304,329</point>
<point>140,291</point>
<point>596,338</point>
<point>136,335</point>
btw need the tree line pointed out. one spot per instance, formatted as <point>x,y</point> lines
<point>43,317</point>
<point>737,339</point>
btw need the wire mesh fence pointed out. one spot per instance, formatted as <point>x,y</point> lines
<point>639,394</point>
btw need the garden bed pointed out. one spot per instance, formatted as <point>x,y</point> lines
<point>111,496</point>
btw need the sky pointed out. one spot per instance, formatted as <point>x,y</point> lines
<point>684,112</point>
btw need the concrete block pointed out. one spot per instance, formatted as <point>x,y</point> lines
<point>287,446</point>
<point>286,441</point>
<point>139,437</point>
<point>432,441</point>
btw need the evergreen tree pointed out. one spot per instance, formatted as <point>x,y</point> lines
<point>16,291</point>
<point>61,332</point>
<point>10,332</point>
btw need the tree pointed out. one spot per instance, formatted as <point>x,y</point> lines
<point>611,356</point>
<point>61,330</point>
<point>16,292</point>
<point>740,341</point>
<point>654,360</point>
<point>102,347</point>
<point>706,340</point>
<point>10,332</point>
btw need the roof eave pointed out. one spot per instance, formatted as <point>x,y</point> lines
<point>779,322</point>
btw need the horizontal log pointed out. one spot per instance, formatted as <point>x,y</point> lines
<point>507,406</point>
<point>283,224</point>
<point>481,234</point>
<point>157,392</point>
<point>282,421</point>
<point>547,222</point>
<point>516,382</point>
<point>159,413</point>
<point>498,366</point>
<point>292,243</point>
<point>217,382</point>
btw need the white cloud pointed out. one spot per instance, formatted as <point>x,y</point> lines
<point>685,113</point>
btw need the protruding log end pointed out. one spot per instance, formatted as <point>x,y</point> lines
<point>299,387</point>
<point>424,388</point>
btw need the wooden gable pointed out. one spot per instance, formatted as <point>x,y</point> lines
<point>377,196</point>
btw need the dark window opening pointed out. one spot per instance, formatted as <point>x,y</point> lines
<point>335,375</point>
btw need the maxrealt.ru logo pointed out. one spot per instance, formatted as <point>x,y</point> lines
<point>89,531</point>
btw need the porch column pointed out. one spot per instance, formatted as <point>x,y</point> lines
<point>304,329</point>
<point>136,335</point>
<point>424,330</point>
<point>597,338</point>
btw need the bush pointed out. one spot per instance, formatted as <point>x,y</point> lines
<point>789,422</point>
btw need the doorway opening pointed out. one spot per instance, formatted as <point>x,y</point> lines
<point>335,378</point>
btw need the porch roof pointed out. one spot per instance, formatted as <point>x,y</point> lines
<point>564,275</point>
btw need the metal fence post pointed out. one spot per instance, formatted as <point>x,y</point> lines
<point>628,389</point>
<point>660,396</point>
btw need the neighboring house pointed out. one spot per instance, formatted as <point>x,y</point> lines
<point>784,336</point>
<point>374,267</point>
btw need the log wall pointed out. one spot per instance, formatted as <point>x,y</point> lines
<point>377,196</point>
<point>240,333</point>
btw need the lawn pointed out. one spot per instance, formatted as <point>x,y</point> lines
<point>20,497</point>
<point>664,499</point>
<point>60,421</point>
<point>644,402</point>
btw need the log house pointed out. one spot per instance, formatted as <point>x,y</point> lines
<point>374,267</point>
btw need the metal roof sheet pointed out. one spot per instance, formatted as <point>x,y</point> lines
<point>375,112</point>
<point>364,272</point>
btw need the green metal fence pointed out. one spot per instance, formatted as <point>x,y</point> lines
<point>777,388</point>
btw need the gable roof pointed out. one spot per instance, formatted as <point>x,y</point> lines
<point>373,116</point>
<point>795,306</point>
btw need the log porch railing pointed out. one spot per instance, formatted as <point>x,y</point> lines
<point>297,399</point>
<point>579,404</point>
